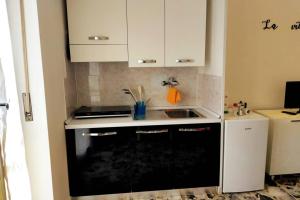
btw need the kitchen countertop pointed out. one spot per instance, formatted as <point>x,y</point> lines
<point>277,113</point>
<point>153,117</point>
<point>251,116</point>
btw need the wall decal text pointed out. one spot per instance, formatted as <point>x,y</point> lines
<point>296,26</point>
<point>269,25</point>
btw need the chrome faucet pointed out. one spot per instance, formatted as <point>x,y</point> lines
<point>171,82</point>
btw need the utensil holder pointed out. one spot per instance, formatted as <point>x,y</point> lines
<point>139,110</point>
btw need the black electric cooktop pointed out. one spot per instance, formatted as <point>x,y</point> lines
<point>102,111</point>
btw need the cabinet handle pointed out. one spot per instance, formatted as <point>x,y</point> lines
<point>146,61</point>
<point>296,120</point>
<point>184,61</point>
<point>153,131</point>
<point>6,105</point>
<point>194,129</point>
<point>101,37</point>
<point>99,134</point>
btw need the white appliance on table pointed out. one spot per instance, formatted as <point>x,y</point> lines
<point>283,142</point>
<point>245,149</point>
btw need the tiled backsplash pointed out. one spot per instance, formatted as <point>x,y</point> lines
<point>70,88</point>
<point>210,92</point>
<point>102,83</point>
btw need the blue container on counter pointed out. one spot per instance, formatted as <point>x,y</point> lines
<point>139,110</point>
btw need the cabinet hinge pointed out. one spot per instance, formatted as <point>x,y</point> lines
<point>27,106</point>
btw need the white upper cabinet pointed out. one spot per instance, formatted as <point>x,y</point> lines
<point>97,22</point>
<point>167,33</point>
<point>160,33</point>
<point>185,30</point>
<point>145,33</point>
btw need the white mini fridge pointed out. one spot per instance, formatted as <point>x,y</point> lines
<point>245,149</point>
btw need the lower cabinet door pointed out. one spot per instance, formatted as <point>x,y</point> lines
<point>121,160</point>
<point>196,155</point>
<point>151,166</point>
<point>99,160</point>
<point>284,148</point>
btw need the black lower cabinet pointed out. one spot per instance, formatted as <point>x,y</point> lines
<point>151,167</point>
<point>133,159</point>
<point>99,160</point>
<point>196,155</point>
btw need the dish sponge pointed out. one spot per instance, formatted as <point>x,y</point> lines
<point>173,96</point>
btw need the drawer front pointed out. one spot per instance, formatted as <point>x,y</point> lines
<point>99,160</point>
<point>98,53</point>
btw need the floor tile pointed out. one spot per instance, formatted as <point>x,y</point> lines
<point>285,188</point>
<point>290,184</point>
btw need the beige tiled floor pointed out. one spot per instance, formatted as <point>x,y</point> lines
<point>288,188</point>
<point>270,193</point>
<point>290,184</point>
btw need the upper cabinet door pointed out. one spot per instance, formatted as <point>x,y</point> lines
<point>97,21</point>
<point>185,32</point>
<point>145,33</point>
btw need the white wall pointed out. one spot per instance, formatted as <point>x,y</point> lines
<point>211,90</point>
<point>215,37</point>
<point>260,62</point>
<point>36,132</point>
<point>52,32</point>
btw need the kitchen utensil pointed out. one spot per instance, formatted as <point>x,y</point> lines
<point>143,93</point>
<point>140,93</point>
<point>128,91</point>
<point>132,93</point>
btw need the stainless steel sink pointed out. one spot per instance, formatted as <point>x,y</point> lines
<point>183,113</point>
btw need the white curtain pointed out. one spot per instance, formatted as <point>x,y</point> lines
<point>14,168</point>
